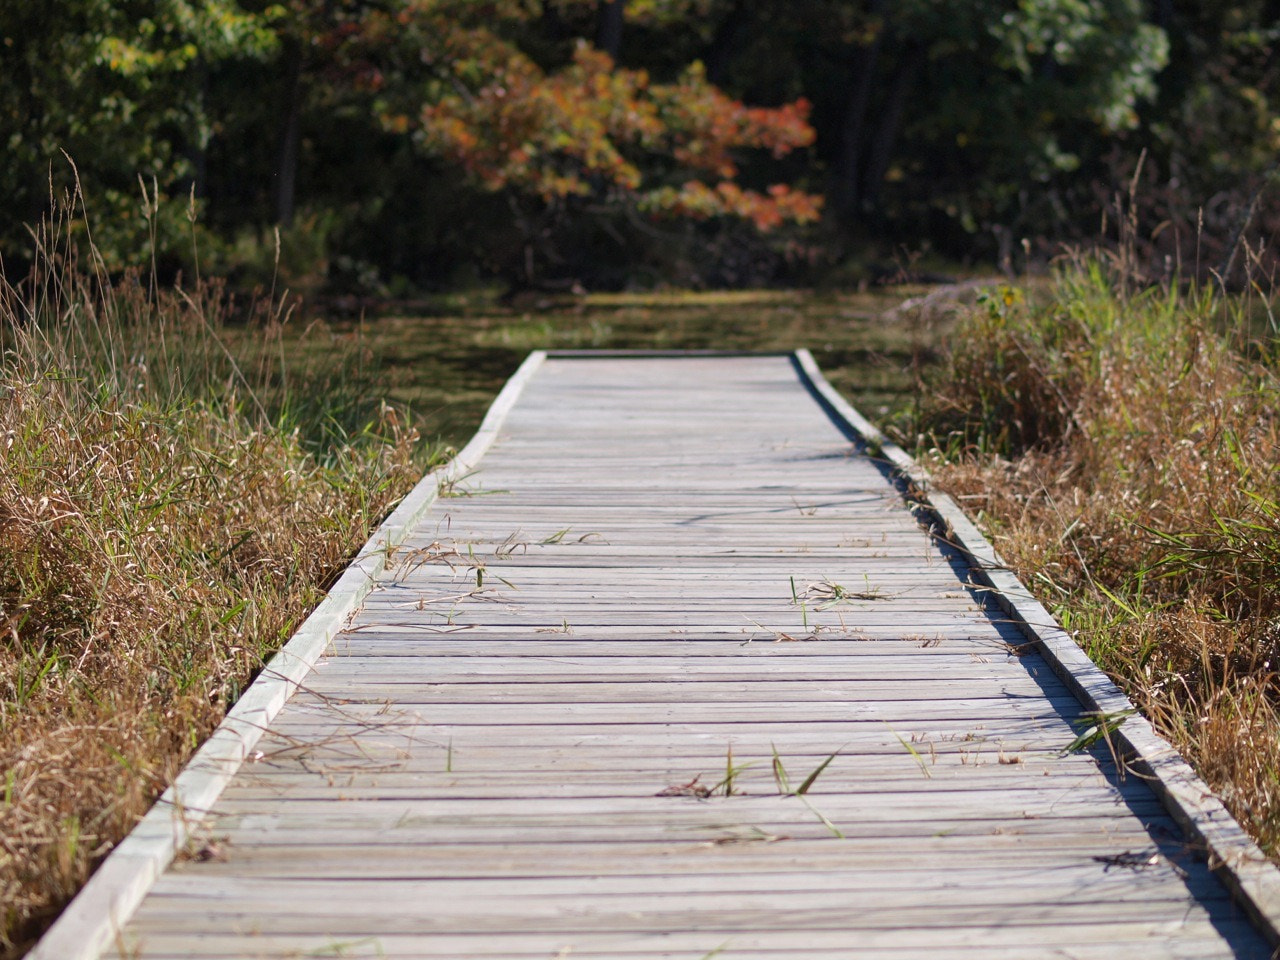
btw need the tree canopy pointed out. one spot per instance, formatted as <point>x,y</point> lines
<point>417,143</point>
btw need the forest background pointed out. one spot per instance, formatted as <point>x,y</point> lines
<point>388,147</point>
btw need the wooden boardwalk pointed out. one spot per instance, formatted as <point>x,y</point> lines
<point>670,576</point>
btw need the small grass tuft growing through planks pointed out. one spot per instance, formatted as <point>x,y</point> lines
<point>728,785</point>
<point>1120,443</point>
<point>174,497</point>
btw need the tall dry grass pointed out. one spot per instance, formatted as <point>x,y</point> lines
<point>175,494</point>
<point>1120,443</point>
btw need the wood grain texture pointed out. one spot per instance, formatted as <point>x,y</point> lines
<point>565,722</point>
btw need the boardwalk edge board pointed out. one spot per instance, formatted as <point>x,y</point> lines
<point>92,921</point>
<point>1253,880</point>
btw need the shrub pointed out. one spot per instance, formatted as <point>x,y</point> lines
<point>1120,444</point>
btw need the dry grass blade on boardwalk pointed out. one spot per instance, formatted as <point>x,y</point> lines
<point>555,728</point>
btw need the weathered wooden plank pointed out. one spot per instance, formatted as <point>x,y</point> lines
<point>960,758</point>
<point>744,913</point>
<point>758,624</point>
<point>600,765</point>
<point>396,637</point>
<point>989,798</point>
<point>708,820</point>
<point>310,710</point>
<point>874,676</point>
<point>410,692</point>
<point>406,737</point>
<point>996,942</point>
<point>951,758</point>
<point>241,832</point>
<point>921,858</point>
<point>600,902</point>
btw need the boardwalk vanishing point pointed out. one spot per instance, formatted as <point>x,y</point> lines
<point>666,665</point>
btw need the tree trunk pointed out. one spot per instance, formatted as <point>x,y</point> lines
<point>881,152</point>
<point>847,189</point>
<point>290,134</point>
<point>198,150</point>
<point>723,45</point>
<point>609,27</point>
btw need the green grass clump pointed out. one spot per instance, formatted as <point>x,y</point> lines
<point>174,497</point>
<point>1120,443</point>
